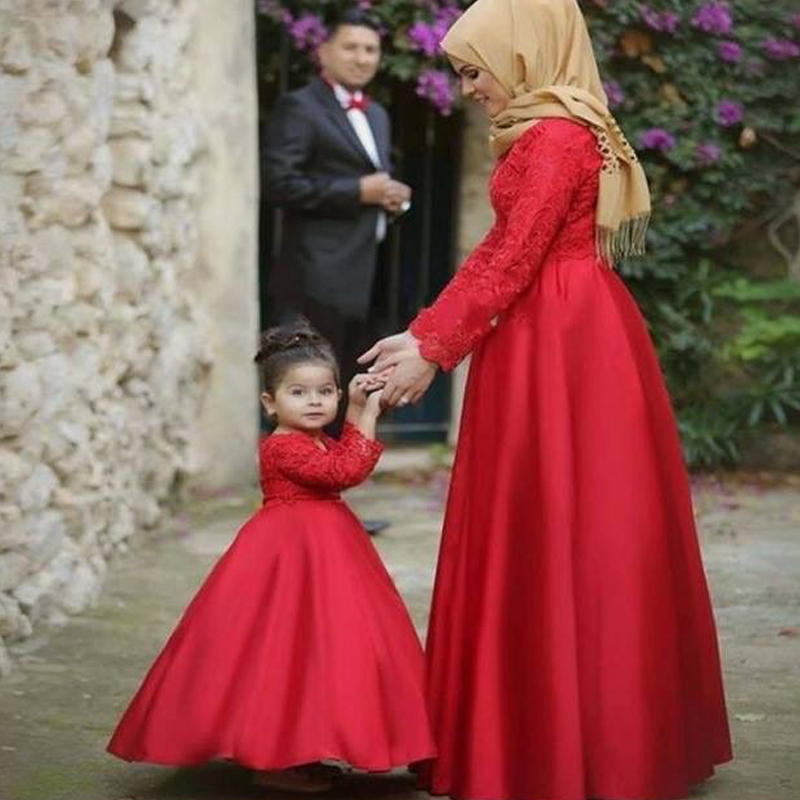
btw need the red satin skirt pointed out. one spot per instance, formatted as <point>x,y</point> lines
<point>572,651</point>
<point>297,648</point>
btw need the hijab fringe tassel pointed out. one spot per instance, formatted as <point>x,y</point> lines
<point>626,241</point>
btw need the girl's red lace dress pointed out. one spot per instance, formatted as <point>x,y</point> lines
<point>572,651</point>
<point>297,647</point>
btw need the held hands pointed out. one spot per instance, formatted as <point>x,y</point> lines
<point>364,406</point>
<point>406,373</point>
<point>364,393</point>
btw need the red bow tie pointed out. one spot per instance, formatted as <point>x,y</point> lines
<point>357,103</point>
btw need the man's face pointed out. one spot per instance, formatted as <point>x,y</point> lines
<point>351,56</point>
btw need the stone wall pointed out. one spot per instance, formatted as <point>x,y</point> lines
<point>106,346</point>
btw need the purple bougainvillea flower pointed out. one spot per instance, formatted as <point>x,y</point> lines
<point>308,31</point>
<point>426,36</point>
<point>274,10</point>
<point>667,22</point>
<point>615,94</point>
<point>670,21</point>
<point>795,20</point>
<point>781,49</point>
<point>709,153</point>
<point>423,37</point>
<point>436,87</point>
<point>729,112</point>
<point>657,139</point>
<point>650,17</point>
<point>714,17</point>
<point>731,52</point>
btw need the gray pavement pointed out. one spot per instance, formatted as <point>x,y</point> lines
<point>59,706</point>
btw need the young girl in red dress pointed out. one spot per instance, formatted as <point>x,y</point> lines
<point>297,648</point>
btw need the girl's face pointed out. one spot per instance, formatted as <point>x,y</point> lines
<point>306,398</point>
<point>481,86</point>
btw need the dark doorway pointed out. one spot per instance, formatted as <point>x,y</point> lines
<point>418,255</point>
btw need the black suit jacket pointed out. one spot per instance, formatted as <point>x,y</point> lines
<point>313,163</point>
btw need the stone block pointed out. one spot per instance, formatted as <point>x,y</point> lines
<point>14,567</point>
<point>68,201</point>
<point>137,88</point>
<point>132,266</point>
<point>81,589</point>
<point>13,622</point>
<point>131,119</point>
<point>90,277</point>
<point>79,145</point>
<point>46,536</point>
<point>131,162</point>
<point>129,210</point>
<point>32,151</point>
<point>12,533</point>
<point>5,661</point>
<point>139,9</point>
<point>13,469</point>
<point>20,396</point>
<point>35,492</point>
<point>96,33</point>
<point>45,108</point>
<point>15,51</point>
<point>34,344</point>
<point>58,35</point>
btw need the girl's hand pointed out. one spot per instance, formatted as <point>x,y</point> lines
<point>374,404</point>
<point>361,385</point>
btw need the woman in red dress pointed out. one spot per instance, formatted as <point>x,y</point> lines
<point>297,647</point>
<point>572,651</point>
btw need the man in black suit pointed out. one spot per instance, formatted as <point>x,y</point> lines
<point>328,168</point>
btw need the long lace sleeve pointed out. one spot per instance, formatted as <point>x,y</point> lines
<point>346,462</point>
<point>532,192</point>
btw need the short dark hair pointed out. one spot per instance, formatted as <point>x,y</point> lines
<point>287,345</point>
<point>352,16</point>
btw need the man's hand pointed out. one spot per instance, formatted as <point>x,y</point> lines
<point>374,187</point>
<point>395,196</point>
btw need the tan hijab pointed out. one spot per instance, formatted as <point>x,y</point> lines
<point>540,52</point>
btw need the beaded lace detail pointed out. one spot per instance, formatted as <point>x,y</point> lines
<point>294,467</point>
<point>544,194</point>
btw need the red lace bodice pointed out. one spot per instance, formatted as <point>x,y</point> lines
<point>544,195</point>
<point>294,467</point>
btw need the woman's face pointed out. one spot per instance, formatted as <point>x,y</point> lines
<point>481,86</point>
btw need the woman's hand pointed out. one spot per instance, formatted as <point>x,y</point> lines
<point>410,375</point>
<point>386,351</point>
<point>410,380</point>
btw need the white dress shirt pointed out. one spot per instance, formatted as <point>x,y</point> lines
<point>358,119</point>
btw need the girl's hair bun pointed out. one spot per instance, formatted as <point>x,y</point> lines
<point>281,338</point>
